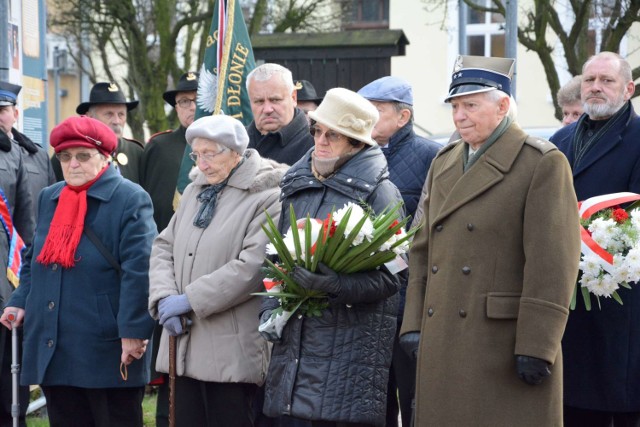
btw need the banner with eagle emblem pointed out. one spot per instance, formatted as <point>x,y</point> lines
<point>228,59</point>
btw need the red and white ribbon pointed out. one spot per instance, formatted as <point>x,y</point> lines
<point>589,207</point>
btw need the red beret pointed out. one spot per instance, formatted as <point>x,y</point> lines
<point>83,131</point>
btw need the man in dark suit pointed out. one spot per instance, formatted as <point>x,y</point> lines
<point>602,347</point>
<point>279,130</point>
<point>108,104</point>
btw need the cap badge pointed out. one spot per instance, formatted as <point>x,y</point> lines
<point>191,76</point>
<point>95,141</point>
<point>458,65</point>
<point>113,88</point>
<point>298,85</point>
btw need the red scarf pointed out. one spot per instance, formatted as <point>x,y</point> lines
<point>67,225</point>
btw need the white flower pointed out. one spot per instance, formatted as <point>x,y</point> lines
<point>590,265</point>
<point>271,249</point>
<point>603,231</point>
<point>366,232</point>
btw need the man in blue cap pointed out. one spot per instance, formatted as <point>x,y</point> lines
<point>409,157</point>
<point>16,198</point>
<point>493,268</point>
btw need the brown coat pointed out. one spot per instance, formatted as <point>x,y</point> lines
<point>491,276</point>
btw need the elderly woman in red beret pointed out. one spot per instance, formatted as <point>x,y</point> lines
<point>84,286</point>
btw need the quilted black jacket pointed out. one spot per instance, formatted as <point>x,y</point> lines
<point>335,367</point>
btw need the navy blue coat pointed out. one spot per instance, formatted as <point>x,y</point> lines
<point>75,318</point>
<point>409,157</point>
<point>601,348</point>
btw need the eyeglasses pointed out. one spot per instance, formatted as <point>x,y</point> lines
<point>330,135</point>
<point>186,102</point>
<point>207,157</point>
<point>82,157</point>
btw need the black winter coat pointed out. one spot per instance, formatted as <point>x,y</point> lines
<point>336,367</point>
<point>601,347</point>
<point>287,145</point>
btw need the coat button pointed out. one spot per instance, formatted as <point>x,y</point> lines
<point>439,227</point>
<point>470,227</point>
<point>462,313</point>
<point>299,316</point>
<point>430,312</point>
<point>466,270</point>
<point>54,267</point>
<point>434,269</point>
<point>50,343</point>
<point>51,305</point>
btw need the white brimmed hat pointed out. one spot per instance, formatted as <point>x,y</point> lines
<point>347,112</point>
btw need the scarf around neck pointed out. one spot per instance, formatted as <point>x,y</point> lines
<point>67,224</point>
<point>208,197</point>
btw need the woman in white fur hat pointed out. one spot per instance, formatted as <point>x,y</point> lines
<point>204,267</point>
<point>333,369</point>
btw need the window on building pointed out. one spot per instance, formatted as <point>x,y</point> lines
<point>485,31</point>
<point>599,19</point>
<point>363,14</point>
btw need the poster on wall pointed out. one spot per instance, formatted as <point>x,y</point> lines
<point>27,66</point>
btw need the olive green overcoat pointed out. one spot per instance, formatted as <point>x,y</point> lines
<point>491,276</point>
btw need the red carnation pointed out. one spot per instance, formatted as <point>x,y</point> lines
<point>619,215</point>
<point>329,230</point>
<point>393,224</point>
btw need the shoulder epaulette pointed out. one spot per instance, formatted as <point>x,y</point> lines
<point>159,133</point>
<point>539,144</point>
<point>135,142</point>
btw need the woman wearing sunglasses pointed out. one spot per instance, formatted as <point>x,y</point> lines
<point>84,286</point>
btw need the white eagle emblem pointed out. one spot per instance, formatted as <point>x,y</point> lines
<point>207,90</point>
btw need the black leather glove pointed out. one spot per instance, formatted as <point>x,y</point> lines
<point>327,281</point>
<point>532,370</point>
<point>410,342</point>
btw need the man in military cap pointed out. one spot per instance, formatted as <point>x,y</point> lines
<point>492,270</point>
<point>159,175</point>
<point>409,157</point>
<point>35,157</point>
<point>108,104</point>
<point>308,99</point>
<point>17,201</point>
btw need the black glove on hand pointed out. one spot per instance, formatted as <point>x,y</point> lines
<point>532,370</point>
<point>410,342</point>
<point>327,281</point>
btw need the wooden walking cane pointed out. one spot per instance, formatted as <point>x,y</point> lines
<point>173,344</point>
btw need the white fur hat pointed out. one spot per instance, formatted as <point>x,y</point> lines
<point>224,130</point>
<point>347,112</point>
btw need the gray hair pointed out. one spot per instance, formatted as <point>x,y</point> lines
<point>497,95</point>
<point>265,71</point>
<point>399,106</point>
<point>570,92</point>
<point>624,69</point>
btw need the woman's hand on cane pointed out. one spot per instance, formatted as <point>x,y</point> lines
<point>8,321</point>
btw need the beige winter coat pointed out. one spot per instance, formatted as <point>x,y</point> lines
<point>218,268</point>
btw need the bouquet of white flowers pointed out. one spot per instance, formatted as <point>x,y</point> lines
<point>347,241</point>
<point>610,247</point>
